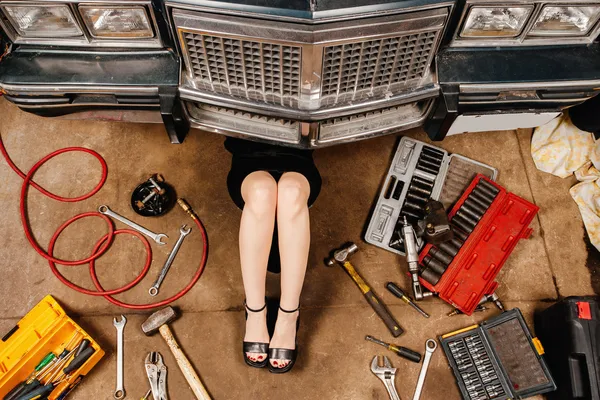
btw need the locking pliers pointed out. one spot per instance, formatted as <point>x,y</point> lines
<point>157,375</point>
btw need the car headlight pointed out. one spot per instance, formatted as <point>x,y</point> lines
<point>117,22</point>
<point>43,21</point>
<point>566,20</point>
<point>495,21</point>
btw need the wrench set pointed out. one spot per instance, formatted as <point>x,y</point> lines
<point>487,222</point>
<point>498,360</point>
<point>418,172</point>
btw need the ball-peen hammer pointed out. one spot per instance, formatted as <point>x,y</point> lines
<point>340,256</point>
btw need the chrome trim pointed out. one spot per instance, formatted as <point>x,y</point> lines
<point>421,93</point>
<point>524,39</point>
<point>302,16</point>
<point>313,40</point>
<point>71,105</point>
<point>501,87</point>
<point>67,89</point>
<point>87,40</point>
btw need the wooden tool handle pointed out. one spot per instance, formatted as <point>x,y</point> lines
<point>384,314</point>
<point>184,364</point>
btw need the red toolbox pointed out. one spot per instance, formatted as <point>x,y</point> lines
<point>487,222</point>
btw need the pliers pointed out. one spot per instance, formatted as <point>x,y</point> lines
<point>157,375</point>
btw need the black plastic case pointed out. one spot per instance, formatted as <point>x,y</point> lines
<point>516,369</point>
<point>570,331</point>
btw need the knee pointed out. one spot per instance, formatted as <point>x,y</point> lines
<point>259,191</point>
<point>292,193</point>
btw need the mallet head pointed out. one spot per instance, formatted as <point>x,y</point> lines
<point>158,319</point>
<point>342,254</point>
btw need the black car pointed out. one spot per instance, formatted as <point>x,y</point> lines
<point>304,73</point>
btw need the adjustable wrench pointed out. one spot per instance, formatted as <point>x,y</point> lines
<point>157,237</point>
<point>430,346</point>
<point>183,232</point>
<point>120,325</point>
<point>387,375</point>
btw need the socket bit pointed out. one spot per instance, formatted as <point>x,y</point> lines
<point>441,255</point>
<point>490,186</point>
<point>417,189</point>
<point>448,248</point>
<point>460,234</point>
<point>409,214</point>
<point>486,198</point>
<point>429,164</point>
<point>460,224</point>
<point>433,153</point>
<point>432,171</point>
<point>485,187</point>
<point>456,242</point>
<point>471,212</point>
<point>413,206</point>
<point>430,276</point>
<point>413,197</point>
<point>466,212</point>
<point>430,158</point>
<point>468,222</point>
<point>434,265</point>
<point>423,182</point>
<point>474,206</point>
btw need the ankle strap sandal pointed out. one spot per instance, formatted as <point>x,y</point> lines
<point>255,347</point>
<point>285,354</point>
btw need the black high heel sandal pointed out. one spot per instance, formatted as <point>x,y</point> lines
<point>255,347</point>
<point>285,354</point>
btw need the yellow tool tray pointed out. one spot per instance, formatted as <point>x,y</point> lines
<point>46,328</point>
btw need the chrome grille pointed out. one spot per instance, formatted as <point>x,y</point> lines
<point>366,68</point>
<point>259,71</point>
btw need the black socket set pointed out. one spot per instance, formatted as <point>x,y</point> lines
<point>463,222</point>
<point>498,360</point>
<point>418,172</point>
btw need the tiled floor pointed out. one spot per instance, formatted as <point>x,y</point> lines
<point>334,359</point>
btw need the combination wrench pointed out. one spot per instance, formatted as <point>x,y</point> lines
<point>183,232</point>
<point>430,346</point>
<point>120,325</point>
<point>157,237</point>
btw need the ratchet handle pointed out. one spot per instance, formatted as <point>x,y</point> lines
<point>384,314</point>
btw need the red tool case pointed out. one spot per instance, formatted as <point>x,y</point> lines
<point>471,273</point>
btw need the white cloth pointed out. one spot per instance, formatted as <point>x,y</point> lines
<point>561,149</point>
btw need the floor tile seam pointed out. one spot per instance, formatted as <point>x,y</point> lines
<point>546,251</point>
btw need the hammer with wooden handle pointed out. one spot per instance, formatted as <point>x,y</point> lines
<point>159,321</point>
<point>341,257</point>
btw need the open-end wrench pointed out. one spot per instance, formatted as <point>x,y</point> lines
<point>120,325</point>
<point>430,346</point>
<point>183,232</point>
<point>157,237</point>
<point>387,375</point>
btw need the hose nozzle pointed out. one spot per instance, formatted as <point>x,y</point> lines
<point>187,208</point>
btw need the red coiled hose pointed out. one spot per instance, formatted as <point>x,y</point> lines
<point>103,244</point>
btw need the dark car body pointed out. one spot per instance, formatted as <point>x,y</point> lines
<point>302,73</point>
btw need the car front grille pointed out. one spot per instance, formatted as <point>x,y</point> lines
<point>357,70</point>
<point>259,71</point>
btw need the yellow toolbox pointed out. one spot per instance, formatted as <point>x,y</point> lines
<point>40,348</point>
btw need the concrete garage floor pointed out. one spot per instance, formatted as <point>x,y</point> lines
<point>334,360</point>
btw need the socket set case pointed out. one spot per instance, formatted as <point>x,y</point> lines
<point>570,329</point>
<point>487,222</point>
<point>418,172</point>
<point>46,328</point>
<point>498,360</point>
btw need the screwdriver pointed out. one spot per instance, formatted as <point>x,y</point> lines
<point>41,392</point>
<point>69,389</point>
<point>401,351</point>
<point>29,384</point>
<point>396,291</point>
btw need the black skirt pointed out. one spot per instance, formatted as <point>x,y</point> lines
<point>249,157</point>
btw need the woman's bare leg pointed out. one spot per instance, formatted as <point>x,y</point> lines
<point>259,191</point>
<point>293,223</point>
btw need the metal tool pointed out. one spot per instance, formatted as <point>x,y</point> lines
<point>159,322</point>
<point>401,351</point>
<point>120,325</point>
<point>340,257</point>
<point>157,375</point>
<point>396,291</point>
<point>183,232</point>
<point>387,375</point>
<point>147,394</point>
<point>430,346</point>
<point>157,237</point>
<point>409,237</point>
